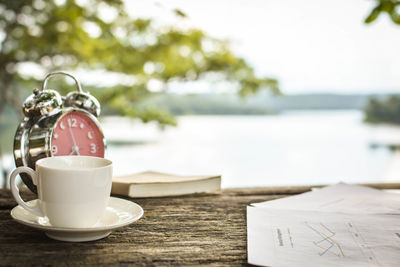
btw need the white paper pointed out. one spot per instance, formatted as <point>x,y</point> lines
<point>340,198</point>
<point>341,225</point>
<point>309,238</point>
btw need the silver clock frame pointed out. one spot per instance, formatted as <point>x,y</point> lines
<point>33,139</point>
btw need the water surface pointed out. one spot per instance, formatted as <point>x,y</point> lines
<point>295,148</point>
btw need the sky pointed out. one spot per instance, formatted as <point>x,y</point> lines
<point>310,46</point>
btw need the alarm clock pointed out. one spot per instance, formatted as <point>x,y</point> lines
<point>57,126</point>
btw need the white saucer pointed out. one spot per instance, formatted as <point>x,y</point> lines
<point>119,213</point>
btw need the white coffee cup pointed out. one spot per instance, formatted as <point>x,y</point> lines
<point>73,191</point>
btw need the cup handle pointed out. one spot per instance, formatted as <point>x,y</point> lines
<point>15,191</point>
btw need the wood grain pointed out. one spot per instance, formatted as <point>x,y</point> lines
<point>192,230</point>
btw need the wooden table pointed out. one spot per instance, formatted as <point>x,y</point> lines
<point>190,230</point>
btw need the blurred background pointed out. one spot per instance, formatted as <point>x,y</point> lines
<point>264,92</point>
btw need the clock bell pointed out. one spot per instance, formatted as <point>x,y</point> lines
<point>56,126</point>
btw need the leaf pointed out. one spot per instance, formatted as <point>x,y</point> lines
<point>374,14</point>
<point>394,15</point>
<point>179,13</point>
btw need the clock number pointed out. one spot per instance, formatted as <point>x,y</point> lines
<point>89,135</point>
<point>92,148</point>
<point>62,126</point>
<point>54,149</point>
<point>72,123</point>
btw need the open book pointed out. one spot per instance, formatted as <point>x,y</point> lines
<point>155,184</point>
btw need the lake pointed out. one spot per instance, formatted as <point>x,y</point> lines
<point>293,148</point>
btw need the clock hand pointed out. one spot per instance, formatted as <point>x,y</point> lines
<point>75,148</point>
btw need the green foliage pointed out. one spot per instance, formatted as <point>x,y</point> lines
<point>8,125</point>
<point>67,36</point>
<point>391,7</point>
<point>386,110</point>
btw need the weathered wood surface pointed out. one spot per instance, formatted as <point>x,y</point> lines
<point>190,230</point>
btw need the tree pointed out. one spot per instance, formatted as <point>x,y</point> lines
<point>66,35</point>
<point>384,110</point>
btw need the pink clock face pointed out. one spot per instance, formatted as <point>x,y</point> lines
<point>77,134</point>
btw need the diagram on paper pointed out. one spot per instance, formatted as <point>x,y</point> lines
<point>325,240</point>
